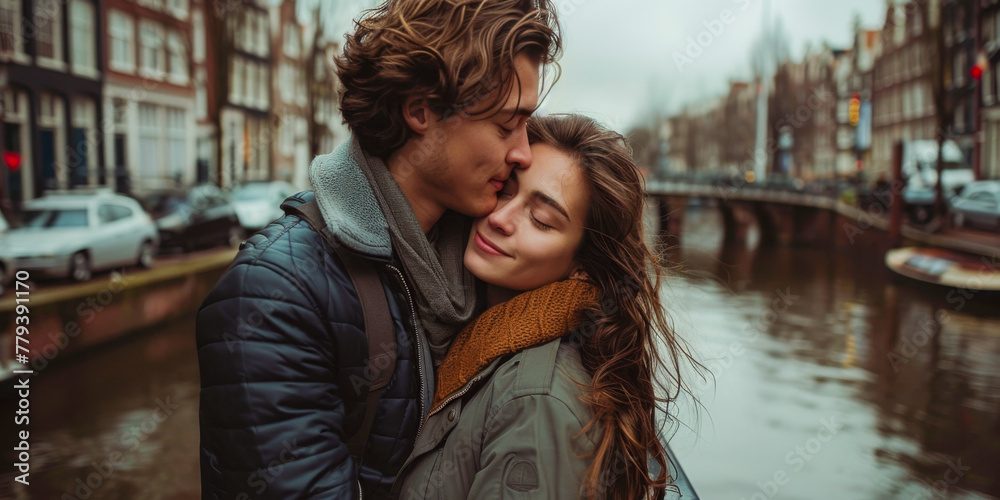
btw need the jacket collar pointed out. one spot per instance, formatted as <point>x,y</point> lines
<point>348,203</point>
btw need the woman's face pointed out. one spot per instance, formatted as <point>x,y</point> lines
<point>532,235</point>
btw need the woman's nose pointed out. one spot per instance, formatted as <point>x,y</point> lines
<point>501,219</point>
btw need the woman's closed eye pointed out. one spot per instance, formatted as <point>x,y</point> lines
<point>541,225</point>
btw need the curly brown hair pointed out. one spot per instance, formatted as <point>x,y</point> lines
<point>456,53</point>
<point>631,350</point>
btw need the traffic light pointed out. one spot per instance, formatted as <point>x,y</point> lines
<point>982,64</point>
<point>854,112</point>
<point>13,160</point>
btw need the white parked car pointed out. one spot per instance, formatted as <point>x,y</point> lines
<point>74,233</point>
<point>978,206</point>
<point>259,203</point>
<point>8,266</point>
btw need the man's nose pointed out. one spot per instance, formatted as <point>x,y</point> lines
<point>520,154</point>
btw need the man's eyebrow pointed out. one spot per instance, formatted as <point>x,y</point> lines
<point>516,112</point>
<point>548,200</point>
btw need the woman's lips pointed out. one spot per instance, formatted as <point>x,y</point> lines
<point>488,246</point>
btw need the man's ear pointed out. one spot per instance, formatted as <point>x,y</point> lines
<point>417,114</point>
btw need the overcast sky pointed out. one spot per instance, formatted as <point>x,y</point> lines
<point>623,56</point>
<point>620,57</point>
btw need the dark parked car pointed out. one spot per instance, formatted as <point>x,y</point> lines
<point>978,206</point>
<point>200,217</point>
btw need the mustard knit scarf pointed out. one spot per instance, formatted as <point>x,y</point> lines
<point>529,319</point>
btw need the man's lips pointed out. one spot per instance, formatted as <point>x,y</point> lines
<point>497,184</point>
<point>489,247</point>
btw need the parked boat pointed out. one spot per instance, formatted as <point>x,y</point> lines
<point>939,266</point>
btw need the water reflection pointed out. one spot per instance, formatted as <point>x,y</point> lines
<point>120,423</point>
<point>833,381</point>
<point>909,375</point>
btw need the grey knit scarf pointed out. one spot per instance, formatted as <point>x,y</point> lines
<point>445,293</point>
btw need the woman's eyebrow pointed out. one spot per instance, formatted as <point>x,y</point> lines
<point>548,200</point>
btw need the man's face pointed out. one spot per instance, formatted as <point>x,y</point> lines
<point>469,155</point>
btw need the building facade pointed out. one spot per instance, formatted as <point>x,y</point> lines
<point>50,97</point>
<point>902,86</point>
<point>327,128</point>
<point>988,164</point>
<point>149,93</point>
<point>854,105</point>
<point>245,104</point>
<point>960,25</point>
<point>738,126</point>
<point>289,96</point>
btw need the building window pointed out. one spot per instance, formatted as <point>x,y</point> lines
<point>907,101</point>
<point>960,118</point>
<point>996,25</point>
<point>120,112</point>
<point>83,161</point>
<point>151,53</point>
<point>198,25</point>
<point>152,4</point>
<point>83,38</point>
<point>121,32</point>
<point>175,142</point>
<point>11,42</point>
<point>987,84</point>
<point>285,76</point>
<point>292,41</point>
<point>238,80</point>
<point>247,37</point>
<point>319,68</point>
<point>994,172</point>
<point>960,65</point>
<point>263,43</point>
<point>179,8</point>
<point>200,94</point>
<point>287,133</point>
<point>251,83</point>
<point>48,34</point>
<point>178,58</point>
<point>149,144</point>
<point>265,86</point>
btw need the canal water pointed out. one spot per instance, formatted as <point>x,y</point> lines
<point>831,381</point>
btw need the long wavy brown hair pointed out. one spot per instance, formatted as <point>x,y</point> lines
<point>630,348</point>
<point>456,53</point>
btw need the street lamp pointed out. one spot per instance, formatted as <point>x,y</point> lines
<point>760,149</point>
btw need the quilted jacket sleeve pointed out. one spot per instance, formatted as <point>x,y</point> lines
<point>271,419</point>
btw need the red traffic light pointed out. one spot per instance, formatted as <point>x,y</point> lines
<point>12,159</point>
<point>982,63</point>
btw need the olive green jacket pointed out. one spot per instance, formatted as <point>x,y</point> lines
<point>512,432</point>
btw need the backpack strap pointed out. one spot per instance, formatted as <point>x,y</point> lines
<point>378,322</point>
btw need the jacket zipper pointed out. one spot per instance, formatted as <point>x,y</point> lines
<point>455,395</point>
<point>420,350</point>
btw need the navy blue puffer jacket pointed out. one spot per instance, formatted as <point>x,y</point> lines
<point>282,353</point>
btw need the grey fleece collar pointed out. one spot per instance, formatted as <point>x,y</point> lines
<point>348,203</point>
